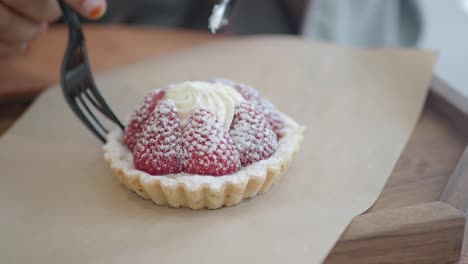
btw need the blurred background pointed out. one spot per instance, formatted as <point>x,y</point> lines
<point>438,24</point>
<point>358,22</point>
<point>146,28</point>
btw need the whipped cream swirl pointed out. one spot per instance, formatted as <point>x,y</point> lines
<point>219,99</point>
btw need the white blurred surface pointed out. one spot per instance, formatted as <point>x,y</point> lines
<point>445,28</point>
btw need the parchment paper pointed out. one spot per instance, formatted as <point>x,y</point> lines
<point>60,203</point>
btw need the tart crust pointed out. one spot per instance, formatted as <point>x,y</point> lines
<point>201,191</point>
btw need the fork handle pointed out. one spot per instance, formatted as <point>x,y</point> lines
<point>71,18</point>
<point>73,21</point>
<point>77,80</point>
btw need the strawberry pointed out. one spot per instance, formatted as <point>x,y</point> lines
<point>158,147</point>
<point>251,133</point>
<point>271,114</point>
<point>275,122</point>
<point>140,115</point>
<point>207,147</point>
<point>268,109</point>
<point>251,94</point>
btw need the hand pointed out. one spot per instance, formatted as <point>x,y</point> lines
<point>23,20</point>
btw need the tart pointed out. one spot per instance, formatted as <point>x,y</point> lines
<point>203,144</point>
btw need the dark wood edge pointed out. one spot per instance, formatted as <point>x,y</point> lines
<point>441,99</point>
<point>452,105</point>
<point>450,94</point>
<point>437,102</point>
<point>456,191</point>
<point>430,233</point>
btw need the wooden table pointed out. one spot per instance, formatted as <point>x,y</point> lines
<point>420,176</point>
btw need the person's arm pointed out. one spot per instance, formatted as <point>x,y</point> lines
<point>23,20</point>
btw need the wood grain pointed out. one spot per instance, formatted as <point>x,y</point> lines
<point>464,253</point>
<point>456,191</point>
<point>457,116</point>
<point>427,162</point>
<point>428,233</point>
<point>455,101</point>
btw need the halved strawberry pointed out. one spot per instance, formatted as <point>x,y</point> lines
<point>140,115</point>
<point>207,147</point>
<point>158,148</point>
<point>266,107</point>
<point>252,135</point>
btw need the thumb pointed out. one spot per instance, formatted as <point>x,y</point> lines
<point>92,9</point>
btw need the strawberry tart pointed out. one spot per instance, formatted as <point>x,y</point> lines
<point>203,144</point>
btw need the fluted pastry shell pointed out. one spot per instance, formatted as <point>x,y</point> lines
<point>201,191</point>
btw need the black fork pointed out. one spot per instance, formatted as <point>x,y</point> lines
<point>78,85</point>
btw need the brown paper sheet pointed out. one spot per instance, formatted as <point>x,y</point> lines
<point>61,204</point>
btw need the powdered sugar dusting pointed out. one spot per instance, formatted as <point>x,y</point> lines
<point>207,147</point>
<point>252,135</point>
<point>140,115</point>
<point>158,149</point>
<point>202,146</point>
<point>251,94</point>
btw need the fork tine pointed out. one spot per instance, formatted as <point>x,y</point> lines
<point>91,85</point>
<point>91,114</point>
<point>105,109</point>
<point>92,100</point>
<point>73,104</point>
